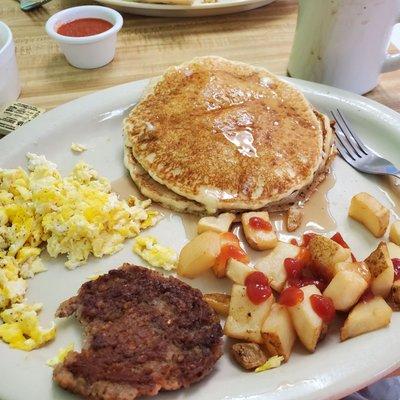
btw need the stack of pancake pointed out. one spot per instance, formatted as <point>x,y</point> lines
<point>214,135</point>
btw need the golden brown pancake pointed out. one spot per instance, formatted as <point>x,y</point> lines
<point>169,199</point>
<point>227,135</point>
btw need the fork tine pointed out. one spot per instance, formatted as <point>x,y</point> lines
<point>346,137</point>
<point>354,135</point>
<point>344,153</point>
<point>343,140</point>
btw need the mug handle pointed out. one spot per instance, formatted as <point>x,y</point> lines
<point>392,61</point>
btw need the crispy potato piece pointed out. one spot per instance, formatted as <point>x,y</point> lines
<point>367,210</point>
<point>248,355</point>
<point>395,293</point>
<point>278,332</point>
<point>237,271</point>
<point>325,254</point>
<point>381,267</point>
<point>219,302</point>
<point>359,267</point>
<point>307,323</point>
<point>394,252</point>
<point>365,317</point>
<point>294,216</point>
<point>245,318</point>
<point>345,289</point>
<point>219,224</point>
<point>258,239</point>
<point>394,234</point>
<point>273,267</point>
<point>199,254</point>
<point>393,249</point>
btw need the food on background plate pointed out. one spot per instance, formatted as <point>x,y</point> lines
<point>367,210</point>
<point>143,333</point>
<point>77,215</point>
<point>258,230</point>
<point>258,142</point>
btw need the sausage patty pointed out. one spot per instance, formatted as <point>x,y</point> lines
<point>143,333</point>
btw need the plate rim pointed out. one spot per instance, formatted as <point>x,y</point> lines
<point>181,7</point>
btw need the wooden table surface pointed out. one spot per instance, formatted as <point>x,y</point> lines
<point>146,46</point>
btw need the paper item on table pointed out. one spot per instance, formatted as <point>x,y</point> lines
<point>14,115</point>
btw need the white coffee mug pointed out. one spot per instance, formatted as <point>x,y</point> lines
<point>343,43</point>
<point>10,87</point>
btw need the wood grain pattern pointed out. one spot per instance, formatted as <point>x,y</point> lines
<point>146,46</point>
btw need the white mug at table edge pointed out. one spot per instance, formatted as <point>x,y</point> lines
<point>10,87</point>
<point>343,43</point>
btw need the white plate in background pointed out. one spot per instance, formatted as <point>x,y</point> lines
<point>198,9</point>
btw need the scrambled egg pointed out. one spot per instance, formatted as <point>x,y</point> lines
<point>21,328</point>
<point>77,216</point>
<point>156,255</point>
<point>61,355</point>
<point>78,148</point>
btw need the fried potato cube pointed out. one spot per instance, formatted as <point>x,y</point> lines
<point>230,248</point>
<point>248,355</point>
<point>294,218</point>
<point>258,239</point>
<point>381,267</point>
<point>199,254</point>
<point>345,289</point>
<point>367,210</point>
<point>237,271</point>
<point>218,224</point>
<point>273,267</point>
<point>307,323</point>
<point>278,332</point>
<point>219,302</point>
<point>393,249</point>
<point>395,294</point>
<point>325,254</point>
<point>366,316</point>
<point>246,318</point>
<point>394,234</point>
<point>359,267</point>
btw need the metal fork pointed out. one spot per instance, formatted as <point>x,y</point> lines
<point>27,5</point>
<point>355,153</point>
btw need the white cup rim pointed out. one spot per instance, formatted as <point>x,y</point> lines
<point>63,16</point>
<point>9,39</point>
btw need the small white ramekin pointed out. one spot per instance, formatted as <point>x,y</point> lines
<point>10,86</point>
<point>89,51</point>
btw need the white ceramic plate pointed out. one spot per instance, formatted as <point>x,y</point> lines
<point>334,370</point>
<point>198,9</point>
